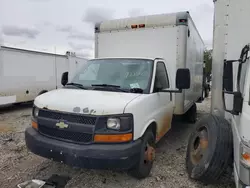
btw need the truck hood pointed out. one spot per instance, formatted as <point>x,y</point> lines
<point>85,101</point>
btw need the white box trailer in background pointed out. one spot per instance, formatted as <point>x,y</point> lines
<point>173,37</point>
<point>24,74</point>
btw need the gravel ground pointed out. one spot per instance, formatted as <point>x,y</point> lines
<point>18,165</point>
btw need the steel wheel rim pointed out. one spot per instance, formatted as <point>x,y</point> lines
<point>199,146</point>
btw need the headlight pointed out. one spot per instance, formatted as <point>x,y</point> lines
<point>114,123</point>
<point>245,155</point>
<point>35,112</point>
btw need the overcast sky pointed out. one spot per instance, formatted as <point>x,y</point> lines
<point>68,24</point>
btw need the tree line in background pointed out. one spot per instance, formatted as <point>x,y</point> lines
<point>208,61</point>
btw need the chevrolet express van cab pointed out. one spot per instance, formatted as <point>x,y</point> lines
<point>118,106</point>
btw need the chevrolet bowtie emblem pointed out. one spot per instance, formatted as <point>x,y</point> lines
<point>62,125</point>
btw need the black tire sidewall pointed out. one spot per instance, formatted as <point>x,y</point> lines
<point>206,93</point>
<point>191,114</point>
<point>202,94</point>
<point>141,170</point>
<point>198,171</point>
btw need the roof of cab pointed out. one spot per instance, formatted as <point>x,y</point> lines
<point>156,20</point>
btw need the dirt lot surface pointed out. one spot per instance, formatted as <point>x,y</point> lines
<point>18,165</point>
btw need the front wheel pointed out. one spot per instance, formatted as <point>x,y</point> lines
<point>147,156</point>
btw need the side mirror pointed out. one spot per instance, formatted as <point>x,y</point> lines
<point>238,102</point>
<point>182,79</point>
<point>228,76</point>
<point>236,107</point>
<point>64,79</point>
<point>233,100</point>
<point>228,89</point>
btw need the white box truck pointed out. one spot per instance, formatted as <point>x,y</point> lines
<point>24,74</point>
<point>173,37</point>
<point>123,101</point>
<point>219,146</point>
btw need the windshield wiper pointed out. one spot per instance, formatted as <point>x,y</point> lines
<point>136,90</point>
<point>76,85</point>
<point>105,85</point>
<point>114,87</point>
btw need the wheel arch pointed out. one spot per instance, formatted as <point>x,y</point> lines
<point>150,125</point>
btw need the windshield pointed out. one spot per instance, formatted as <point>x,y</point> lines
<point>125,73</point>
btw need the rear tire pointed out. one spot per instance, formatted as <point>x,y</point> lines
<point>203,96</point>
<point>191,114</point>
<point>209,156</point>
<point>144,165</point>
<point>206,90</point>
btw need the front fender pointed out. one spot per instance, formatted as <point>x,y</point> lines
<point>147,125</point>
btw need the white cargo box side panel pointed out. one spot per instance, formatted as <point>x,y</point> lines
<point>194,61</point>
<point>231,34</point>
<point>237,35</point>
<point>24,74</point>
<point>238,30</point>
<point>146,43</point>
<point>220,27</point>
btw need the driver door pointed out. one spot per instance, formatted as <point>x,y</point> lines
<point>165,106</point>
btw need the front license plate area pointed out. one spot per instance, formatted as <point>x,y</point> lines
<point>57,156</point>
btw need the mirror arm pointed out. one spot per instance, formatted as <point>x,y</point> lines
<point>232,112</point>
<point>229,92</point>
<point>231,61</point>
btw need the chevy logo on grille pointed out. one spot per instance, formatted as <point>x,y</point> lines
<point>62,125</point>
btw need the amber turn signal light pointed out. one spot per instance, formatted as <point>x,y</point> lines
<point>34,125</point>
<point>113,138</point>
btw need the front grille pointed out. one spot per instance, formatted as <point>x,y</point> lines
<point>66,135</point>
<point>73,118</point>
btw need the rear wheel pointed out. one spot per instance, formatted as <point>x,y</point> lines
<point>206,90</point>
<point>203,95</point>
<point>209,156</point>
<point>147,156</point>
<point>191,114</point>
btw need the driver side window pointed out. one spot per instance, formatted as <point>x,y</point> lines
<point>161,77</point>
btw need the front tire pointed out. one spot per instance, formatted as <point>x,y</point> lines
<point>209,156</point>
<point>147,156</point>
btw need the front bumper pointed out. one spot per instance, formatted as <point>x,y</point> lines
<point>94,156</point>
